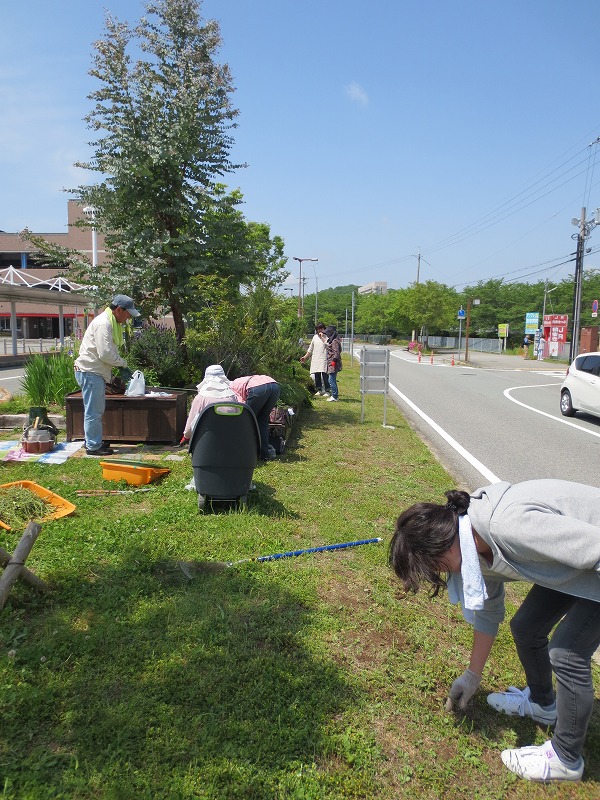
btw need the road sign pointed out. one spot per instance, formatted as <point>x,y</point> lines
<point>594,308</point>
<point>532,322</point>
<point>461,313</point>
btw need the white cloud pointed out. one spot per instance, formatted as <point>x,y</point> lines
<point>357,94</point>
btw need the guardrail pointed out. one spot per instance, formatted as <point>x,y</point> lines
<point>29,346</point>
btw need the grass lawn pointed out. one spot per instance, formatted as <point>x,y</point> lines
<point>307,677</point>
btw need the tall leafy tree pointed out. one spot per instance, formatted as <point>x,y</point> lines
<point>164,117</point>
<point>431,306</point>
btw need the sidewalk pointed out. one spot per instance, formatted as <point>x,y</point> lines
<point>496,361</point>
<point>501,361</point>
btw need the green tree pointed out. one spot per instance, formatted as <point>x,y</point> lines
<point>431,306</point>
<point>333,304</point>
<point>374,313</point>
<point>164,121</point>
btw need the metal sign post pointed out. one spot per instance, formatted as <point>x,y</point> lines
<point>461,316</point>
<point>374,377</point>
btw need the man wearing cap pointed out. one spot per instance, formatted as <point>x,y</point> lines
<point>98,355</point>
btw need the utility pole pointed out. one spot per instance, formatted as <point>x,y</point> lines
<point>475,302</point>
<point>577,290</point>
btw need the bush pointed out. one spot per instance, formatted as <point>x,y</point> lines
<point>156,352</point>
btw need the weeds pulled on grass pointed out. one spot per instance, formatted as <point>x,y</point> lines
<point>19,505</point>
<point>301,678</point>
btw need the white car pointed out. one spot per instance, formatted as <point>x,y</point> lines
<point>580,390</point>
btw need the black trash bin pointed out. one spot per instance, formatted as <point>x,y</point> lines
<point>225,445</point>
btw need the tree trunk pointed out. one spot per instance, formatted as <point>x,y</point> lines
<point>179,323</point>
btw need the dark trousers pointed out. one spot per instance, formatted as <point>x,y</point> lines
<point>261,400</point>
<point>321,382</point>
<point>568,654</point>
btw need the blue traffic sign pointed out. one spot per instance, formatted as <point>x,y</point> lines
<point>461,313</point>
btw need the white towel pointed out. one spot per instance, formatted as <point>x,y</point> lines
<point>475,593</point>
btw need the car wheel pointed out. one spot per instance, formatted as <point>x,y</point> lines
<point>566,404</point>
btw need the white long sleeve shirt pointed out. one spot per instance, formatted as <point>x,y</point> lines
<point>98,353</point>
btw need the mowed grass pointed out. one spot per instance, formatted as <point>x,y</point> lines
<point>307,677</point>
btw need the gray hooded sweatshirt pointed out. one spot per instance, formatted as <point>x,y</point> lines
<point>546,532</point>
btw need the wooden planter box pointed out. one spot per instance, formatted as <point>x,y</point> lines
<point>133,419</point>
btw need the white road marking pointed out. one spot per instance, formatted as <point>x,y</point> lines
<point>544,413</point>
<point>475,463</point>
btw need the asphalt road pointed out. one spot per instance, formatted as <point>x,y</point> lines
<point>10,379</point>
<point>498,419</point>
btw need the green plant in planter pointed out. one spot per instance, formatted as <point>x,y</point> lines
<point>35,381</point>
<point>48,380</point>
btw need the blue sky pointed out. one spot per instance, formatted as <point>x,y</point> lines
<point>373,129</point>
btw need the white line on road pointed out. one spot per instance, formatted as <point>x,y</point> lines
<point>544,413</point>
<point>475,463</point>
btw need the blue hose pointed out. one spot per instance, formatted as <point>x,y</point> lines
<point>292,553</point>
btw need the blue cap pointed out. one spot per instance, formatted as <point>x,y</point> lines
<point>125,302</point>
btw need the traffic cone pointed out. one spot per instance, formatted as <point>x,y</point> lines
<point>431,358</point>
<point>419,357</point>
<point>452,363</point>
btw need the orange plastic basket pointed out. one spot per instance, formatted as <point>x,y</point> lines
<point>135,473</point>
<point>62,507</point>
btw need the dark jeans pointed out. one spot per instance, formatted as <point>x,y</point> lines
<point>568,655</point>
<point>321,381</point>
<point>261,400</point>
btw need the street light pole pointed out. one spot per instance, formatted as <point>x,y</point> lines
<point>300,260</point>
<point>546,293</point>
<point>316,295</point>
<point>90,213</point>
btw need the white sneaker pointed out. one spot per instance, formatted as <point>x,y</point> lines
<point>332,399</point>
<point>540,764</point>
<point>517,703</point>
<point>325,394</point>
<point>319,394</point>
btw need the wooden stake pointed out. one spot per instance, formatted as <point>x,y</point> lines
<point>17,562</point>
<point>26,575</point>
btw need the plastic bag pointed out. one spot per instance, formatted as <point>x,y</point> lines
<point>137,385</point>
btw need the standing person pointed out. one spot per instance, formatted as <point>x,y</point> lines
<point>541,343</point>
<point>98,355</point>
<point>334,360</point>
<point>526,343</point>
<point>546,532</point>
<point>261,393</point>
<point>215,387</point>
<point>317,350</point>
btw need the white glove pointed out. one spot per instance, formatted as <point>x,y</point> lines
<point>463,689</point>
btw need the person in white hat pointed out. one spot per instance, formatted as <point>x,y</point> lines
<point>214,388</point>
